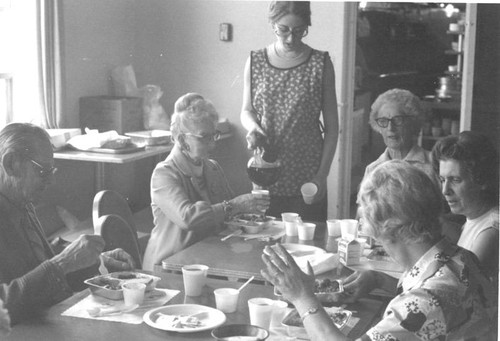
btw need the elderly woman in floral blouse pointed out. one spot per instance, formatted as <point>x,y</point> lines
<point>442,294</point>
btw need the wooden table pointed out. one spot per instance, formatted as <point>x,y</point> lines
<point>100,159</point>
<point>225,258</point>
<point>50,325</point>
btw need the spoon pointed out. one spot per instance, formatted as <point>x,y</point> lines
<point>99,312</point>
<point>246,283</point>
<point>235,233</point>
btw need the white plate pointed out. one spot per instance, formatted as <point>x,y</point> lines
<point>212,319</point>
<point>299,250</point>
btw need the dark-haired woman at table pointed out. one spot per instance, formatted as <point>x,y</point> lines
<point>467,165</point>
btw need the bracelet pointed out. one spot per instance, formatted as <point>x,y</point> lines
<point>310,311</point>
<point>228,208</point>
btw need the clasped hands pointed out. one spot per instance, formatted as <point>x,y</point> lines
<point>86,250</point>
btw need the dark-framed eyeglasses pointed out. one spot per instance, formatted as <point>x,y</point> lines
<point>43,171</point>
<point>397,121</point>
<point>285,31</point>
<point>206,138</point>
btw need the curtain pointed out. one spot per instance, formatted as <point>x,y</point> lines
<point>49,20</point>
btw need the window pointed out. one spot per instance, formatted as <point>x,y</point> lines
<point>19,62</point>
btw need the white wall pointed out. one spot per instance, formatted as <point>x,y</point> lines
<point>175,44</point>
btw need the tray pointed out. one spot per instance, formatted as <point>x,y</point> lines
<point>293,323</point>
<point>130,149</point>
<point>150,137</point>
<point>98,284</point>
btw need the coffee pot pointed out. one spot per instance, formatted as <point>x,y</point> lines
<point>264,167</point>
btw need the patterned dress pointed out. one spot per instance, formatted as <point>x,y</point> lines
<point>288,106</point>
<point>444,297</point>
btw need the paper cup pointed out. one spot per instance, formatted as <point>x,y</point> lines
<point>290,220</point>
<point>333,226</point>
<point>261,192</point>
<point>195,277</point>
<point>309,190</point>
<point>306,231</point>
<point>133,293</point>
<point>279,311</point>
<point>261,311</point>
<point>349,229</point>
<point>226,299</point>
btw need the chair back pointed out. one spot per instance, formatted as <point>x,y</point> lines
<point>117,233</point>
<point>112,202</point>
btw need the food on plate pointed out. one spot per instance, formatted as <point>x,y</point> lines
<point>249,218</point>
<point>178,321</point>
<point>107,283</point>
<point>327,286</point>
<point>379,253</point>
<point>338,316</point>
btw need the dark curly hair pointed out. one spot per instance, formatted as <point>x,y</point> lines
<point>479,156</point>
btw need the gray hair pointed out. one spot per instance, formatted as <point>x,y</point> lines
<point>408,104</point>
<point>398,201</point>
<point>22,139</point>
<point>278,9</point>
<point>190,110</point>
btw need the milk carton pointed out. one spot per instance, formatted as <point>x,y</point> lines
<point>349,251</point>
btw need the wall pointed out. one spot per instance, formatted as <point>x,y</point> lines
<point>173,44</point>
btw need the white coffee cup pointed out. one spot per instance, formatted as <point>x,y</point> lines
<point>279,311</point>
<point>133,293</point>
<point>333,226</point>
<point>309,191</point>
<point>226,299</point>
<point>261,311</point>
<point>290,221</point>
<point>306,231</point>
<point>195,278</point>
<point>349,229</point>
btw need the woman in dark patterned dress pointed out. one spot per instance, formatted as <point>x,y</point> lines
<point>289,88</point>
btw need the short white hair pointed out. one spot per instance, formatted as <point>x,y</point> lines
<point>190,110</point>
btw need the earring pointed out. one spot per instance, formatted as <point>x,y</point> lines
<point>186,147</point>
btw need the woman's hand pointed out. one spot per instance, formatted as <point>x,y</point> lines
<point>256,137</point>
<point>250,203</point>
<point>357,285</point>
<point>320,181</point>
<point>282,271</point>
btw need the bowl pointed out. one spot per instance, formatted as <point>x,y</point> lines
<point>234,332</point>
<point>294,326</point>
<point>326,291</point>
<point>250,223</point>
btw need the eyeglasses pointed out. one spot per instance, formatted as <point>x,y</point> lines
<point>397,121</point>
<point>42,171</point>
<point>285,31</point>
<point>206,138</point>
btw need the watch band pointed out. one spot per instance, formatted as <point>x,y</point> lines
<point>310,311</point>
<point>228,208</point>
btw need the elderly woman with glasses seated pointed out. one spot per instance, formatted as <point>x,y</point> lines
<point>190,196</point>
<point>442,295</point>
<point>398,115</point>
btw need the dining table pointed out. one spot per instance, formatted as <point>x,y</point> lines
<point>50,324</point>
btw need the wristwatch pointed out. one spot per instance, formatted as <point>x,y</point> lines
<point>228,208</point>
<point>310,311</point>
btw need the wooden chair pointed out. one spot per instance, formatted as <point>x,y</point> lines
<point>111,202</point>
<point>117,233</point>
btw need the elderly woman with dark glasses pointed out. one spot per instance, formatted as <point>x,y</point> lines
<point>398,115</point>
<point>190,196</point>
<point>288,86</point>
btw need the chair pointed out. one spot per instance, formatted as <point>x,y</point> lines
<point>111,202</point>
<point>117,233</point>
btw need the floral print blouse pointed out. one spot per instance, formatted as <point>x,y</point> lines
<point>444,297</point>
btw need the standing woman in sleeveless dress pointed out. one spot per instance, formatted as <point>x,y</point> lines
<point>287,87</point>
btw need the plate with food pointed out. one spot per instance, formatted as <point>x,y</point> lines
<point>299,250</point>
<point>250,223</point>
<point>325,290</point>
<point>294,326</point>
<point>110,285</point>
<point>184,318</point>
